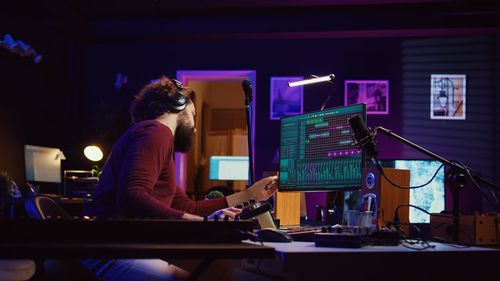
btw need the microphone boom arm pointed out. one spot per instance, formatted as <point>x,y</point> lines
<point>457,179</point>
<point>451,164</point>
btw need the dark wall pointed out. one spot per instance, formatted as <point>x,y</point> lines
<point>69,100</point>
<point>473,141</point>
<point>347,58</point>
<point>406,63</point>
<point>34,98</point>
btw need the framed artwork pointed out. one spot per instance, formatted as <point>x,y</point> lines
<point>448,96</point>
<point>285,100</point>
<point>373,93</point>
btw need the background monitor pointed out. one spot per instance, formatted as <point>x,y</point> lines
<point>317,151</point>
<point>431,197</point>
<point>229,168</point>
<point>42,164</point>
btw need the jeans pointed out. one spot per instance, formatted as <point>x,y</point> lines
<point>134,269</point>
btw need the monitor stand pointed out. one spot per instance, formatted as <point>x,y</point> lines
<point>287,208</point>
<point>334,211</point>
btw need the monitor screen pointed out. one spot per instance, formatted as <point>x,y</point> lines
<point>317,151</point>
<point>42,164</point>
<point>431,197</point>
<point>229,168</point>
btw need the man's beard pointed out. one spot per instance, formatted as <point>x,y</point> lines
<point>184,138</point>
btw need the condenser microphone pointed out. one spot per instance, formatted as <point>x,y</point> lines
<point>363,137</point>
<point>247,89</point>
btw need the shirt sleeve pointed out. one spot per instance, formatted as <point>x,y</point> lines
<point>200,208</point>
<point>143,159</point>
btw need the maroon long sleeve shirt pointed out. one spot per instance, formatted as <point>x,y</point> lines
<point>138,179</point>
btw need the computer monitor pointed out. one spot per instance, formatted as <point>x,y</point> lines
<point>317,151</point>
<point>431,197</point>
<point>229,168</point>
<point>42,164</point>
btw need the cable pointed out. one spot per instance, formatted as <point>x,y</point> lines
<point>379,167</point>
<point>397,223</point>
<point>441,240</point>
<point>425,246</point>
<point>396,214</point>
<point>413,206</point>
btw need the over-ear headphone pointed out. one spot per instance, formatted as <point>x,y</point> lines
<point>178,101</point>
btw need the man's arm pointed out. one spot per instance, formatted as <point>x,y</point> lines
<point>238,198</point>
<point>259,191</point>
<point>191,217</point>
<point>200,208</point>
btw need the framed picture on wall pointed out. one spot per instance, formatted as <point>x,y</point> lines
<point>448,96</point>
<point>285,100</point>
<point>374,93</point>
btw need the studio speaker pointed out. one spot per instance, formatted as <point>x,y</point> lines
<point>387,196</point>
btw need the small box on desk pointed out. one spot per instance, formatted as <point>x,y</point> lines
<point>79,183</point>
<point>473,229</point>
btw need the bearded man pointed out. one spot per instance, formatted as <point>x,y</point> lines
<point>138,179</point>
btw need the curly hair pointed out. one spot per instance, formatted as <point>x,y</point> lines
<point>155,99</point>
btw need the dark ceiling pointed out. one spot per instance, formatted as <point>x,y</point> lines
<point>86,18</point>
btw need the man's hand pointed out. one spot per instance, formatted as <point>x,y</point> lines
<point>260,191</point>
<point>221,214</point>
<point>263,189</point>
<point>230,212</point>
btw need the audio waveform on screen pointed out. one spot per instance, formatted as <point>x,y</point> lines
<point>326,172</point>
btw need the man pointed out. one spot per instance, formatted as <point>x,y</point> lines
<point>138,179</point>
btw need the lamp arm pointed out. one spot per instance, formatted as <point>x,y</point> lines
<point>451,164</point>
<point>331,93</point>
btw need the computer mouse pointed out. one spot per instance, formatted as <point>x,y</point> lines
<point>272,235</point>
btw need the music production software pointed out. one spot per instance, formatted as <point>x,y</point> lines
<point>317,151</point>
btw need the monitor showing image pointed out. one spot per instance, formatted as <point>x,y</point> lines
<point>431,197</point>
<point>229,168</point>
<point>317,151</point>
<point>42,164</point>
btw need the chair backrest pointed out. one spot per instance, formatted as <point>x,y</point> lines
<point>43,208</point>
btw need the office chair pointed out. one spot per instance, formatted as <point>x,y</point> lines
<point>44,208</point>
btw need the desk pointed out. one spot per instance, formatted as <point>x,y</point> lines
<point>71,240</point>
<point>304,261</point>
<point>34,250</point>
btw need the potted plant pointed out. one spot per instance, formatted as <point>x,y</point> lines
<point>8,191</point>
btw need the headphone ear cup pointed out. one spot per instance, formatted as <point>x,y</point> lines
<point>178,101</point>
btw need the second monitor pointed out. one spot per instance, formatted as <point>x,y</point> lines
<point>228,168</point>
<point>317,151</point>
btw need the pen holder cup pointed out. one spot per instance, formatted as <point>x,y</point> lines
<point>365,219</point>
<point>360,219</point>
